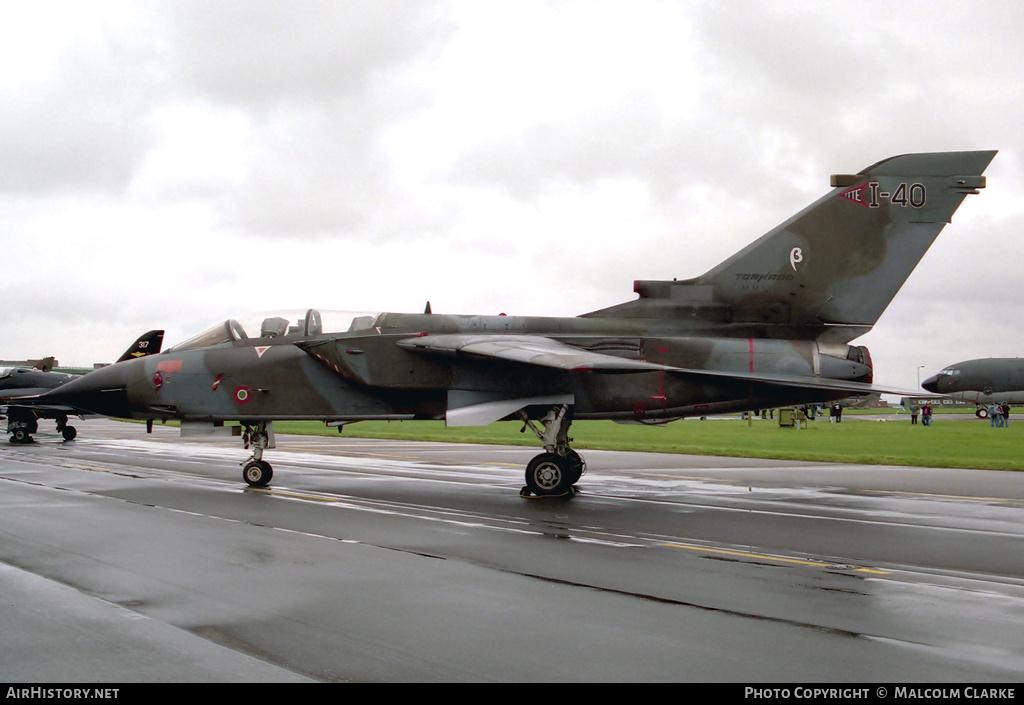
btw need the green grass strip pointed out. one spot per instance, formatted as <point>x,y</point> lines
<point>948,442</point>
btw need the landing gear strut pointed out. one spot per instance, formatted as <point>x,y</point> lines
<point>257,472</point>
<point>554,472</point>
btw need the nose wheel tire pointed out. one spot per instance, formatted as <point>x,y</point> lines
<point>257,473</point>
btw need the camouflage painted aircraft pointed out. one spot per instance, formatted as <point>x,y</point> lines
<point>768,327</point>
<point>986,381</point>
<point>19,382</point>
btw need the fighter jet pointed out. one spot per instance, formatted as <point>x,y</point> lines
<point>984,382</point>
<point>768,327</point>
<point>19,386</point>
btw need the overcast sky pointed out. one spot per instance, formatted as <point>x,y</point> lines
<point>169,164</point>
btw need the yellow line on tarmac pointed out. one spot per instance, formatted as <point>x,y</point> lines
<point>763,556</point>
<point>940,496</point>
<point>294,495</point>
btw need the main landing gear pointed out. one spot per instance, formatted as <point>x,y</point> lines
<point>21,426</point>
<point>259,436</point>
<point>554,472</point>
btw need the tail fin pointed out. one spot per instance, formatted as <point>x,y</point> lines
<point>147,344</point>
<point>837,264</point>
<point>45,365</point>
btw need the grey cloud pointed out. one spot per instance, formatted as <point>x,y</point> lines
<point>316,79</point>
<point>84,126</point>
<point>313,78</point>
<point>262,52</point>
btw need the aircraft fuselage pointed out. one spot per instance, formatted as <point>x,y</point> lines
<point>367,374</point>
<point>984,381</point>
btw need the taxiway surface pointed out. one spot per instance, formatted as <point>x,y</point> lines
<point>132,557</point>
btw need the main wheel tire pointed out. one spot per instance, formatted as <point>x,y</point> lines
<point>257,473</point>
<point>577,466</point>
<point>549,475</point>
<point>69,433</point>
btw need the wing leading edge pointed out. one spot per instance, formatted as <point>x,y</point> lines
<point>530,350</point>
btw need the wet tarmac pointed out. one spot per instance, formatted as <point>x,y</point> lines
<point>133,558</point>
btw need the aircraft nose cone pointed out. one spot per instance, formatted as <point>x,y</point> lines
<point>103,391</point>
<point>931,384</point>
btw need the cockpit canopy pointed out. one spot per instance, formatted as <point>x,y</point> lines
<point>278,324</point>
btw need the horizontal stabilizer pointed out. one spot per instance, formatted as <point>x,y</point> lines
<point>798,381</point>
<point>40,408</point>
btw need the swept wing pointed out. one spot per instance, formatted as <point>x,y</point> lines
<point>548,352</point>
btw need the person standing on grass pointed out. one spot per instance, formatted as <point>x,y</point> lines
<point>926,415</point>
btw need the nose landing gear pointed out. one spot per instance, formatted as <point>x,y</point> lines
<point>257,472</point>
